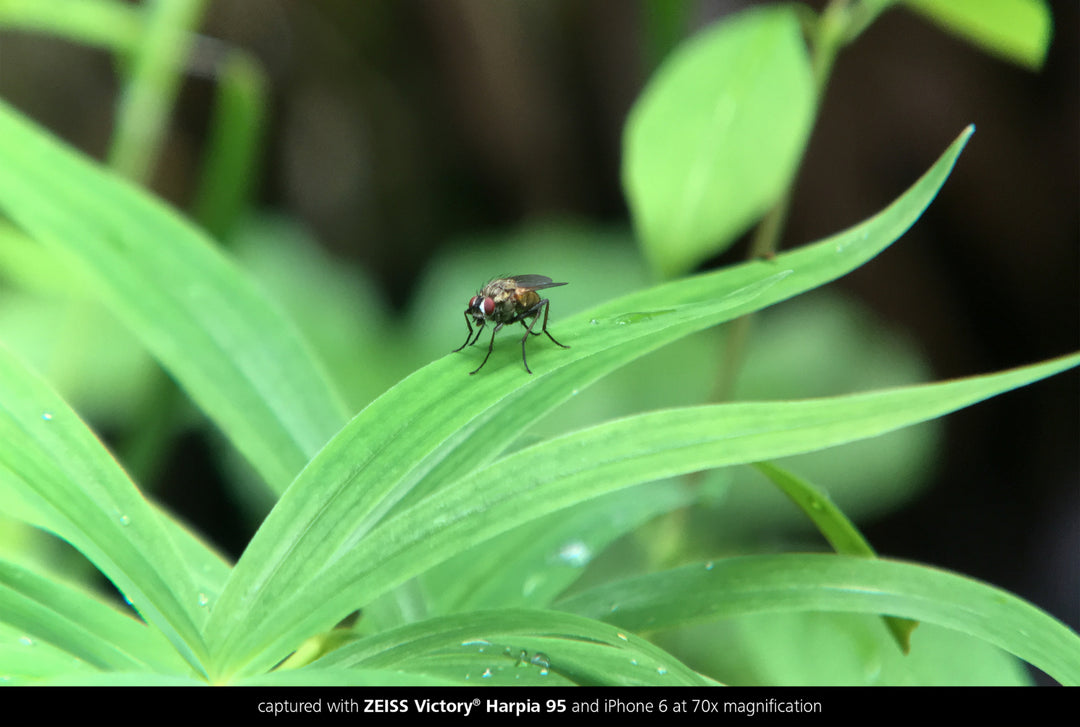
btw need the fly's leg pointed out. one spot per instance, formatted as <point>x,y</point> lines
<point>535,313</point>
<point>490,346</point>
<point>470,336</point>
<point>544,303</point>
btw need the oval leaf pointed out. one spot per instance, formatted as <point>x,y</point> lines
<point>714,139</point>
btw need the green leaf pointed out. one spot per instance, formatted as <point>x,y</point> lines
<point>716,136</point>
<point>147,97</point>
<point>762,584</point>
<point>229,169</point>
<point>810,267</point>
<point>532,565</point>
<point>516,646</point>
<point>118,679</point>
<point>568,470</point>
<point>841,533</point>
<point>1014,30</point>
<point>55,474</point>
<point>221,338</point>
<point>44,611</point>
<point>105,23</point>
<point>315,677</point>
<point>826,648</point>
<point>408,438</point>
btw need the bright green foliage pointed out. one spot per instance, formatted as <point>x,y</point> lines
<point>459,531</point>
<point>1016,30</point>
<point>715,138</point>
<point>222,338</point>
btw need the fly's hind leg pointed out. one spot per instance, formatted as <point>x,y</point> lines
<point>535,312</point>
<point>544,303</point>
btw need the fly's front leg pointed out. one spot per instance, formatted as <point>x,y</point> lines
<point>470,336</point>
<point>490,346</point>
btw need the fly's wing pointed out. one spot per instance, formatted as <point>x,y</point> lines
<point>534,282</point>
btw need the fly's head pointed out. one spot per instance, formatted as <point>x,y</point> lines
<point>481,308</point>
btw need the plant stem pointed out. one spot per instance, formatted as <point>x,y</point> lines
<point>147,97</point>
<point>838,24</point>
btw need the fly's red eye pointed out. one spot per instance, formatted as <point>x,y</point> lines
<point>488,306</point>
<point>472,301</point>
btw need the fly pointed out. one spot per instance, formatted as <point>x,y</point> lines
<point>506,301</point>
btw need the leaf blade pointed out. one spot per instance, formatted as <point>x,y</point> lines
<point>759,584</point>
<point>228,346</point>
<point>574,468</point>
<point>716,136</point>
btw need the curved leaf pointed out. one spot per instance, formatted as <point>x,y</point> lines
<point>223,340</point>
<point>1016,30</point>
<point>567,470</point>
<point>760,584</point>
<point>55,474</point>
<point>517,646</point>
<point>45,611</point>
<point>716,136</point>
<point>407,439</point>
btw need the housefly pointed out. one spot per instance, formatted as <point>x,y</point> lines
<point>506,301</point>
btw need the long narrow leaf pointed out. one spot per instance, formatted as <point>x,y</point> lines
<point>539,560</point>
<point>405,437</point>
<point>223,340</point>
<point>835,526</point>
<point>156,69</point>
<point>55,474</point>
<point>485,437</point>
<point>803,582</point>
<point>45,611</point>
<point>515,646</point>
<point>574,468</point>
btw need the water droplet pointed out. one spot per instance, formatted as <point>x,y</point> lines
<point>576,554</point>
<point>531,584</point>
<point>623,637</point>
<point>661,670</point>
<point>26,641</point>
<point>593,322</point>
<point>709,565</point>
<point>486,674</point>
<point>47,416</point>
<point>540,659</point>
<point>815,504</point>
<point>574,392</point>
<point>476,642</point>
<point>203,600</point>
<point>639,316</point>
<point>125,520</point>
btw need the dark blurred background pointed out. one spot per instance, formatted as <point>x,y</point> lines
<point>396,125</point>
